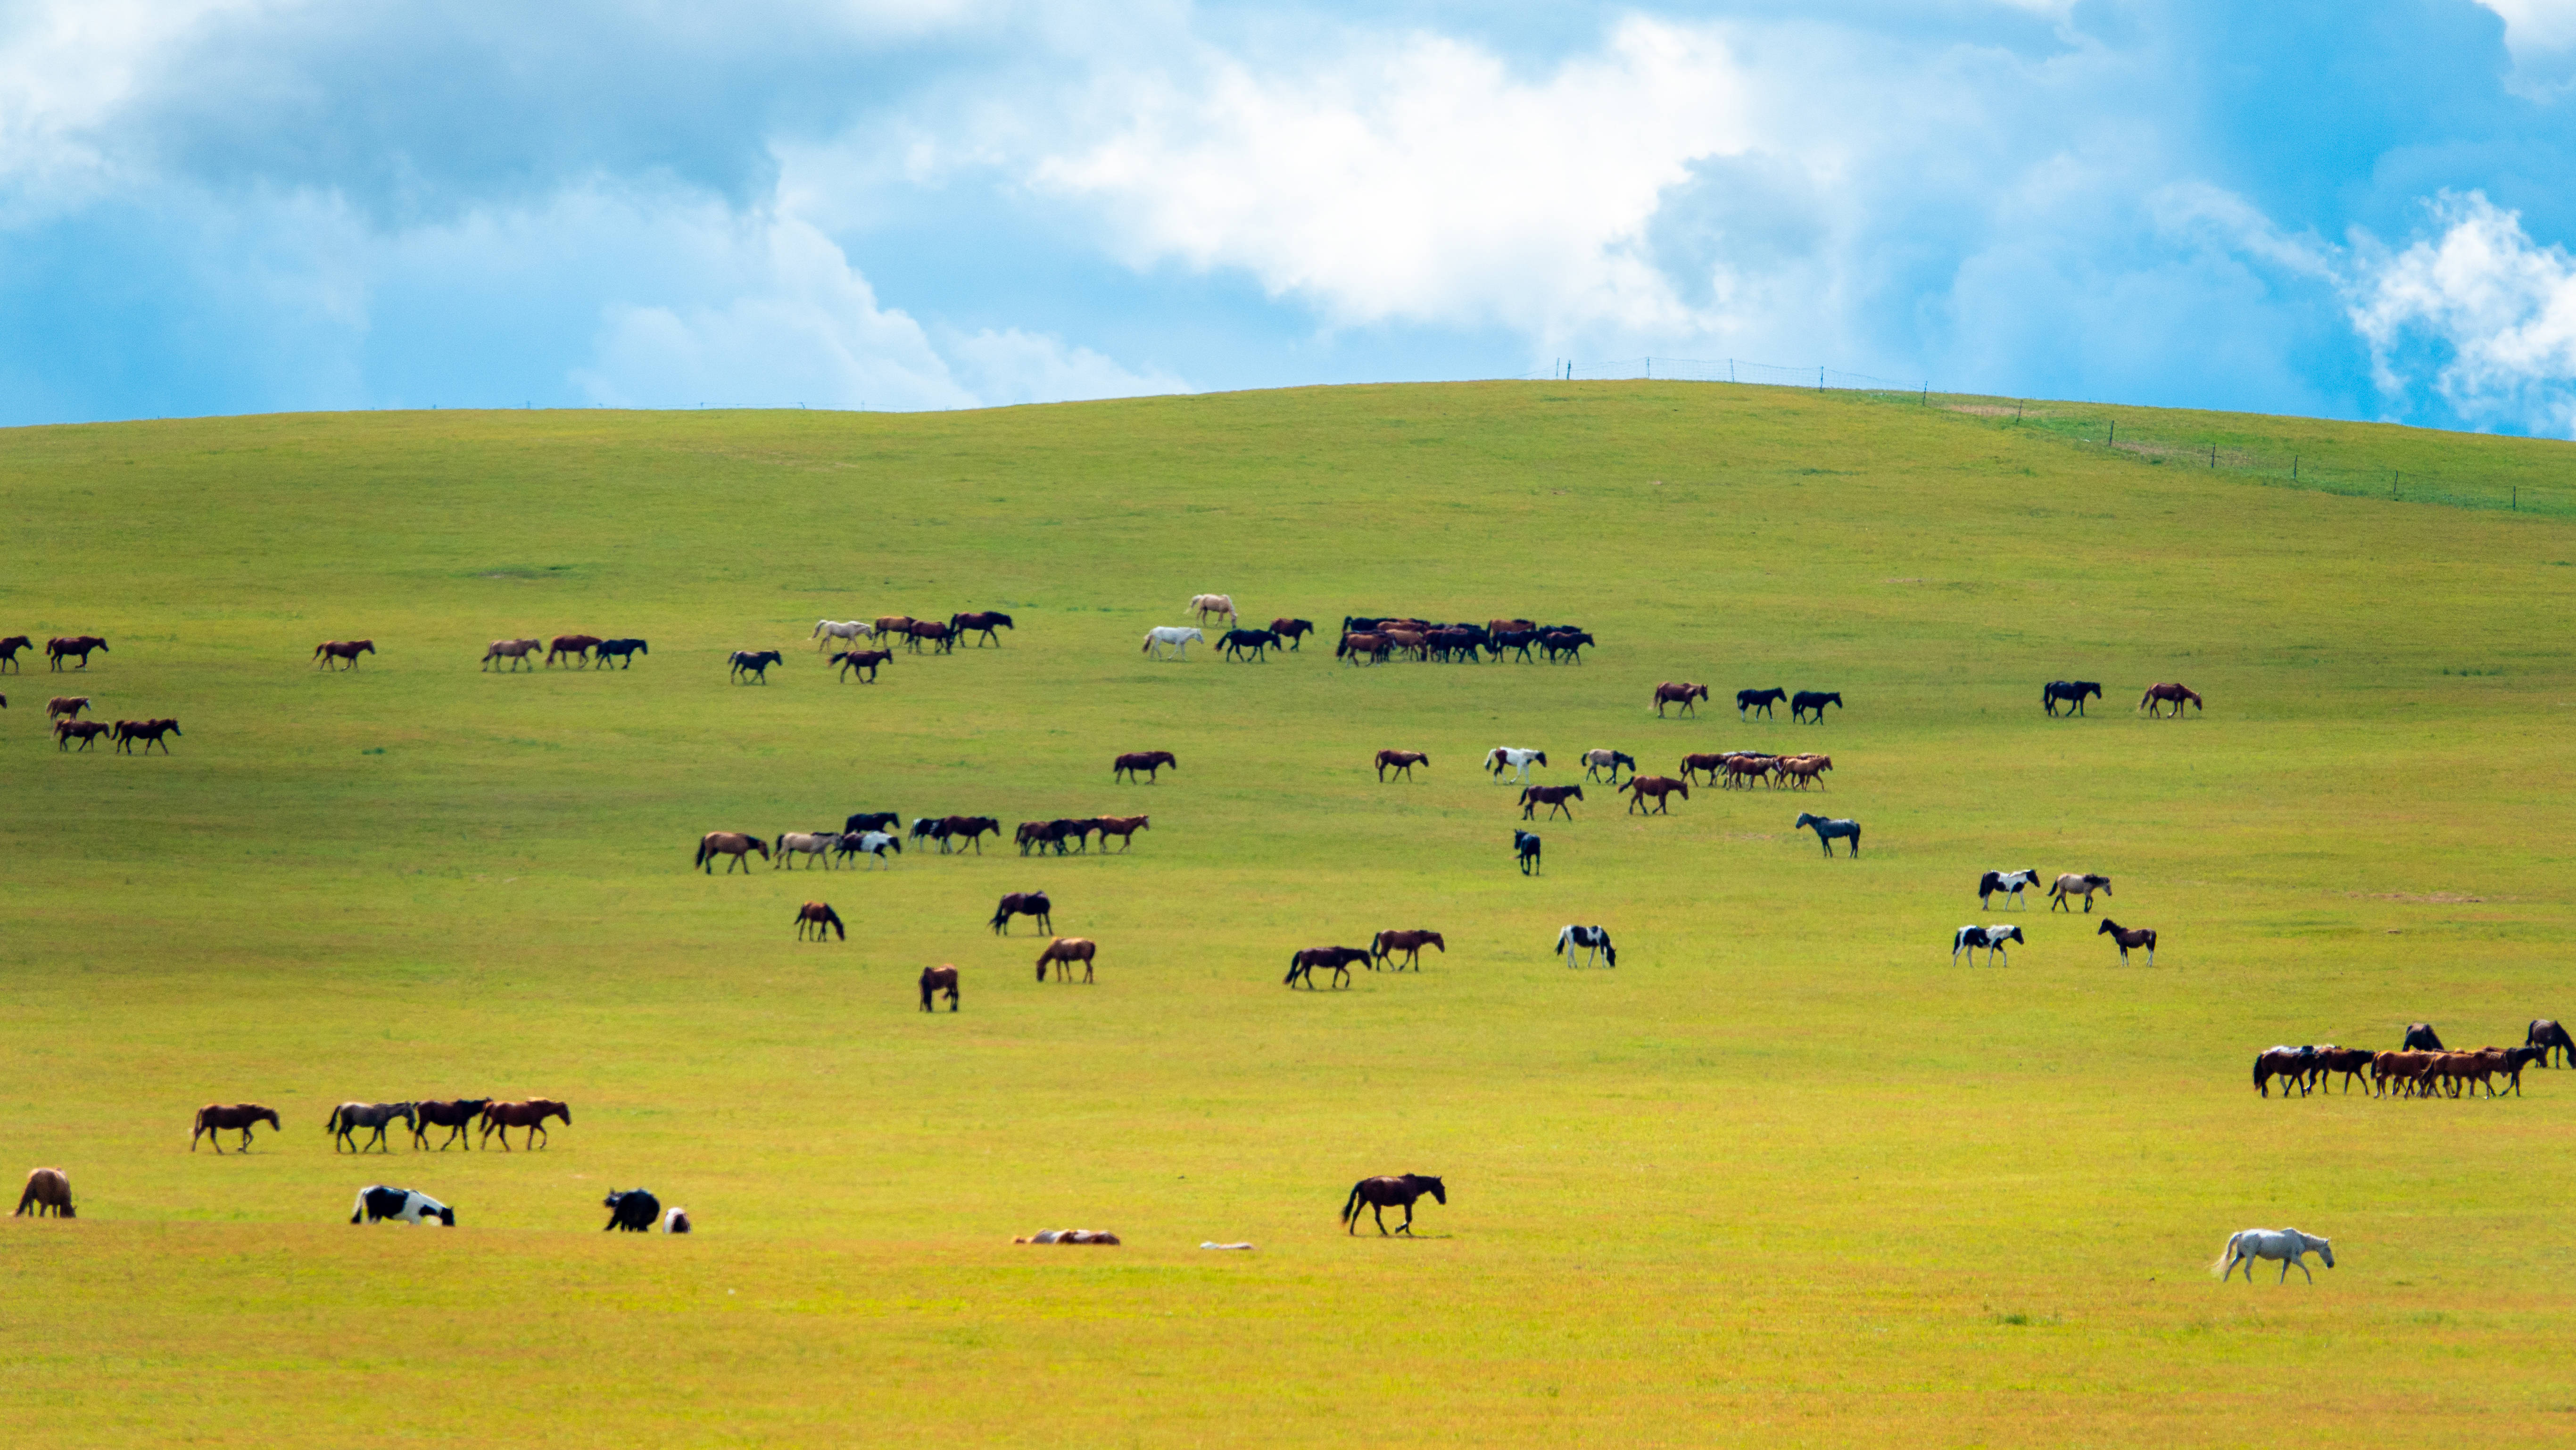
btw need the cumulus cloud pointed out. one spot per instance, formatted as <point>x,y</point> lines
<point>2490,313</point>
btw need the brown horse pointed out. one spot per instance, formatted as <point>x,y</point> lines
<point>1743,770</point>
<point>1553,797</point>
<point>893,624</point>
<point>736,844</point>
<point>1031,904</point>
<point>933,631</point>
<point>216,1119</point>
<point>1661,787</point>
<point>2157,695</point>
<point>531,1115</point>
<point>578,646</point>
<point>70,705</point>
<point>2352,1062</point>
<point>84,731</point>
<point>1401,761</point>
<point>1381,1194</point>
<point>1292,630</point>
<point>1387,943</point>
<point>817,915</point>
<point>1694,766</point>
<point>1065,951</point>
<point>1683,694</point>
<point>62,647</point>
<point>516,651</point>
<point>1148,761</point>
<point>454,1114</point>
<point>972,828</point>
<point>147,731</point>
<point>9,651</point>
<point>984,622</point>
<point>1336,960</point>
<point>2392,1071</point>
<point>2293,1067</point>
<point>938,979</point>
<point>341,649</point>
<point>863,660</point>
<point>1803,770</point>
<point>1369,643</point>
<point>1124,828</point>
<point>47,1188</point>
<point>2128,938</point>
<point>348,1118</point>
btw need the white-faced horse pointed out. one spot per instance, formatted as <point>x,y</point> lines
<point>1178,637</point>
<point>853,630</point>
<point>1519,760</point>
<point>2287,1245</point>
<point>2008,882</point>
<point>1592,939</point>
<point>1206,606</point>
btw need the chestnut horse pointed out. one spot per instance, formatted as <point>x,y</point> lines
<point>1124,828</point>
<point>929,629</point>
<point>1065,951</point>
<point>1709,765</point>
<point>1031,904</point>
<point>1803,770</point>
<point>147,731</point>
<point>1387,943</point>
<point>1553,797</point>
<point>1661,787</point>
<point>576,645</point>
<point>516,651</point>
<point>77,644</point>
<point>816,915</point>
<point>9,651</point>
<point>1294,631</point>
<point>1401,761</point>
<point>1682,694</point>
<point>1148,761</point>
<point>84,731</point>
<point>216,1119</point>
<point>2157,695</point>
<point>342,649</point>
<point>531,1115</point>
<point>736,844</point>
<point>938,979</point>
<point>47,1188</point>
<point>454,1114</point>
<point>70,705</point>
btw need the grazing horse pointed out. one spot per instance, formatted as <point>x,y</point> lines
<point>754,662</point>
<point>1207,606</point>
<point>736,844</point>
<point>348,1118</point>
<point>2070,692</point>
<point>2288,1245</point>
<point>70,705</point>
<point>516,651</point>
<point>147,731</point>
<point>863,660</point>
<point>531,1115</point>
<point>454,1114</point>
<point>84,731</point>
<point>1761,700</point>
<point>2074,884</point>
<point>1827,830</point>
<point>2548,1036</point>
<point>1031,904</point>
<point>2127,938</point>
<point>1294,631</point>
<point>1148,761</point>
<point>578,646</point>
<point>78,644</point>
<point>1381,1194</point>
<point>47,1188</point>
<point>803,843</point>
<point>1235,641</point>
<point>216,1119</point>
<point>1518,760</point>
<point>983,622</point>
<point>622,650</point>
<point>814,916</point>
<point>1596,761</point>
<point>2008,882</point>
<point>341,649</point>
<point>1553,797</point>
<point>2293,1065</point>
<point>1662,787</point>
<point>1387,943</point>
<point>1064,951</point>
<point>9,651</point>
<point>2420,1037</point>
<point>849,631</point>
<point>1336,960</point>
<point>1992,938</point>
<point>1401,762</point>
<point>633,1210</point>
<point>1816,700</point>
<point>1174,637</point>
<point>1683,694</point>
<point>1124,828</point>
<point>869,843</point>
<point>1593,940</point>
<point>2158,695</point>
<point>1802,771</point>
<point>1525,850</point>
<point>377,1203</point>
<point>938,979</point>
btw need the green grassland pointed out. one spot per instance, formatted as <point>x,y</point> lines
<point>1786,1177</point>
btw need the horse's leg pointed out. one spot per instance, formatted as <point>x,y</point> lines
<point>1379,1209</point>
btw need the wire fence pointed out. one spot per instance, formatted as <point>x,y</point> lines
<point>1727,370</point>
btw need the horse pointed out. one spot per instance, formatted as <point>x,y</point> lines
<point>1031,904</point>
<point>2071,692</point>
<point>2288,1245</point>
<point>348,1118</point>
<point>938,979</point>
<point>453,1114</point>
<point>1381,1194</point>
<point>2074,884</point>
<point>1175,636</point>
<point>61,705</point>
<point>57,650</point>
<point>1124,828</point>
<point>1761,700</point>
<point>2407,1068</point>
<point>886,624</point>
<point>1553,797</point>
<point>850,631</point>
<point>868,843</point>
<point>377,1203</point>
<point>2127,938</point>
<point>1593,940</point>
<point>47,1188</point>
<point>1595,761</point>
<point>1401,762</point>
<point>147,731</point>
<point>2420,1037</point>
<point>1372,645</point>
<point>9,651</point>
<point>633,1210</point>
<point>1992,938</point>
<point>1408,639</point>
<point>970,827</point>
<point>816,915</point>
<point>2547,1036</point>
<point>217,1119</point>
<point>2293,1065</point>
<point>576,645</point>
<point>736,844</point>
<point>341,649</point>
<point>1235,641</point>
<point>1038,835</point>
<point>1816,700</point>
<point>1743,770</point>
<point>1827,830</point>
<point>1516,640</point>
<point>1525,850</point>
<point>933,631</point>
<point>2158,695</point>
<point>1519,760</point>
<point>516,651</point>
<point>1683,694</point>
<point>531,1115</point>
<point>1148,761</point>
<point>873,821</point>
<point>1566,643</point>
<point>1337,960</point>
<point>1802,771</point>
<point>1694,766</point>
<point>1294,631</point>
<point>929,828</point>
<point>803,843</point>
<point>2008,882</point>
<point>622,650</point>
<point>1206,606</point>
<point>2352,1062</point>
<point>1662,787</point>
<point>1387,943</point>
<point>84,731</point>
<point>863,660</point>
<point>1065,951</point>
<point>755,662</point>
<point>983,622</point>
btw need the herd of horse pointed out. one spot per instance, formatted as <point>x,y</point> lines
<point>1376,639</point>
<point>2420,1068</point>
<point>349,1119</point>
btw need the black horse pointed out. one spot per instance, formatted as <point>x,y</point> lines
<point>2419,1036</point>
<point>620,649</point>
<point>1816,700</point>
<point>2068,692</point>
<point>1566,644</point>
<point>2547,1035</point>
<point>1381,1194</point>
<point>1525,849</point>
<point>756,662</point>
<point>873,821</point>
<point>1518,640</point>
<point>1336,960</point>
<point>1031,904</point>
<point>1761,700</point>
<point>1235,641</point>
<point>633,1210</point>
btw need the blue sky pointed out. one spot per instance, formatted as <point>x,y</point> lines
<point>215,206</point>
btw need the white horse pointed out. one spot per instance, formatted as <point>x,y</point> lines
<point>853,630</point>
<point>2287,1245</point>
<point>1592,939</point>
<point>1205,605</point>
<point>1177,636</point>
<point>1518,760</point>
<point>816,845</point>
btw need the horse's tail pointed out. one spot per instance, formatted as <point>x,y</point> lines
<point>1351,1206</point>
<point>358,1210</point>
<point>701,858</point>
<point>333,1125</point>
<point>2226,1256</point>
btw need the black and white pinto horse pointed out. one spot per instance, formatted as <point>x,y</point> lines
<point>1518,761</point>
<point>1594,941</point>
<point>1525,850</point>
<point>868,843</point>
<point>1992,938</point>
<point>2068,692</point>
<point>378,1203</point>
<point>2008,882</point>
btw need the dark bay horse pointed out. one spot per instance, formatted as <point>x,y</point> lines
<point>1148,761</point>
<point>1124,828</point>
<point>454,1114</point>
<point>1294,631</point>
<point>1683,694</point>
<point>147,731</point>
<point>1553,797</point>
<point>2420,1036</point>
<point>1064,951</point>
<point>1661,787</point>
<point>1388,943</point>
<point>60,648</point>
<point>1235,641</point>
<point>971,828</point>
<point>2068,692</point>
<point>84,731</point>
<point>1526,850</point>
<point>578,646</point>
<point>1381,1194</point>
<point>1336,960</point>
<point>341,649</point>
<point>1816,700</point>
<point>1401,762</point>
<point>938,979</point>
<point>933,631</point>
<point>47,1188</point>
<point>865,661</point>
<point>737,844</point>
<point>531,1115</point>
<point>9,651</point>
<point>2127,938</point>
<point>2158,695</point>
<point>1031,904</point>
<point>1761,700</point>
<point>348,1118</point>
<point>815,916</point>
<point>216,1119</point>
<point>983,622</point>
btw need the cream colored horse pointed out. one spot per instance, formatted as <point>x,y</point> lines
<point>1206,605</point>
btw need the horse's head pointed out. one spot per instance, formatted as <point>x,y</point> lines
<point>2108,926</point>
<point>1430,1185</point>
<point>1805,820</point>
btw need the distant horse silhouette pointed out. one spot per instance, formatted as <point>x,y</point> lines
<point>58,650</point>
<point>1565,644</point>
<point>576,645</point>
<point>2069,692</point>
<point>1294,631</point>
<point>1387,943</point>
<point>1816,700</point>
<point>341,649</point>
<point>1761,700</point>
<point>755,662</point>
<point>531,1115</point>
<point>1148,761</point>
<point>217,1119</point>
<point>983,622</point>
<point>516,651</point>
<point>1031,904</point>
<point>863,660</point>
<point>1525,849</point>
<point>1064,951</point>
<point>2158,695</point>
<point>348,1118</point>
<point>1596,761</point>
<point>1827,830</point>
<point>1662,787</point>
<point>1381,1194</point>
<point>1336,960</point>
<point>453,1114</point>
<point>47,1190</point>
<point>1553,797</point>
<point>622,650</point>
<point>1401,762</point>
<point>9,651</point>
<point>2141,937</point>
<point>938,979</point>
<point>1684,694</point>
<point>814,916</point>
<point>873,821</point>
<point>1124,828</point>
<point>737,844</point>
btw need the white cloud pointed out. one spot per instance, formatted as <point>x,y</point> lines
<point>2493,314</point>
<point>2533,27</point>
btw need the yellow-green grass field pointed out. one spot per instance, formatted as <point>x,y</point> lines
<point>1786,1176</point>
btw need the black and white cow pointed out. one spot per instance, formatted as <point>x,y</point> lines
<point>379,1202</point>
<point>1992,938</point>
<point>633,1210</point>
